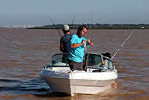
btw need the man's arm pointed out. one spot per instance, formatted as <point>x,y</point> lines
<point>75,45</point>
<point>61,48</point>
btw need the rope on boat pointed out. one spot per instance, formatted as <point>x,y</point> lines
<point>122,44</point>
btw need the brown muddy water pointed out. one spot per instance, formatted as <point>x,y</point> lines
<point>23,53</point>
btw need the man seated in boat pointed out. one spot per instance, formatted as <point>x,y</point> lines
<point>106,61</point>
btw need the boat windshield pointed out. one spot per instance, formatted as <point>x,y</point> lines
<point>98,61</point>
<point>92,61</point>
<point>59,60</point>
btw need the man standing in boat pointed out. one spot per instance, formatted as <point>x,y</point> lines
<point>64,41</point>
<point>77,48</point>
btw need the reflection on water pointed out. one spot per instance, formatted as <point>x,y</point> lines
<point>24,52</point>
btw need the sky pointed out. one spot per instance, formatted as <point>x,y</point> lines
<point>38,12</point>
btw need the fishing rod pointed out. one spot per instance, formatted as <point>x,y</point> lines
<point>55,26</point>
<point>73,19</point>
<point>122,44</point>
<point>90,25</point>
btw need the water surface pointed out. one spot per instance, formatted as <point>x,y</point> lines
<point>23,53</point>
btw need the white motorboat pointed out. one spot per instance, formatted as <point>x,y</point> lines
<point>98,75</point>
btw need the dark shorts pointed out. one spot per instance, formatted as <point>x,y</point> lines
<point>75,65</point>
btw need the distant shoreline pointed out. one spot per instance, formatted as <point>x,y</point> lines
<point>88,28</point>
<point>96,26</point>
<point>75,26</point>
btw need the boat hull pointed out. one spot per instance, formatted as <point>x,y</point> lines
<point>71,83</point>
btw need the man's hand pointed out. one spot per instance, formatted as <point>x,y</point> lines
<point>89,42</point>
<point>83,42</point>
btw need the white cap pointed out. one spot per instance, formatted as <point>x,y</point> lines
<point>65,27</point>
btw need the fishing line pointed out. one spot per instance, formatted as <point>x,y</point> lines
<point>55,26</point>
<point>122,44</point>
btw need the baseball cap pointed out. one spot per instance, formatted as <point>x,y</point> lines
<point>65,27</point>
